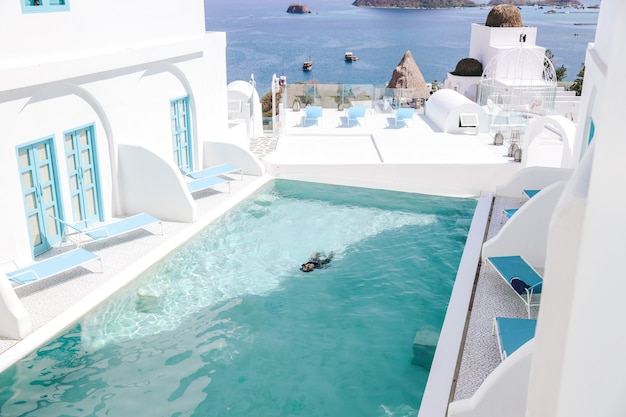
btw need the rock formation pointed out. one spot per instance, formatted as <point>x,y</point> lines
<point>468,67</point>
<point>408,75</point>
<point>298,8</point>
<point>504,16</point>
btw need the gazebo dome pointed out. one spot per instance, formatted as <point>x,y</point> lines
<point>517,84</point>
<point>521,67</point>
<point>504,16</point>
<point>468,67</point>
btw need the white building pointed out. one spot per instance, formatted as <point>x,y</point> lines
<point>575,365</point>
<point>98,118</point>
<point>101,102</point>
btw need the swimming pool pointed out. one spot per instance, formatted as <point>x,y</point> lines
<point>228,325</point>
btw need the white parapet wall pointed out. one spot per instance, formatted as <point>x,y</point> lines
<point>532,178</point>
<point>505,391</point>
<point>15,322</point>
<point>151,184</point>
<point>526,232</point>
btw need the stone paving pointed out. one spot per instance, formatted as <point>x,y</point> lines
<point>263,146</point>
<point>493,297</point>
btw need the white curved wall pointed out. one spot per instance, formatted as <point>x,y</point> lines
<point>445,106</point>
<point>532,178</point>
<point>585,373</point>
<point>95,27</point>
<point>216,153</point>
<point>151,184</point>
<point>504,391</point>
<point>542,145</point>
<point>15,322</point>
<point>526,232</point>
<point>558,290</point>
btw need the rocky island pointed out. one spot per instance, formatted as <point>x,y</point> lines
<point>444,4</point>
<point>298,8</point>
<point>414,4</point>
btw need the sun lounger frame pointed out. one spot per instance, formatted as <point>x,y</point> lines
<point>204,183</point>
<point>313,113</point>
<point>108,230</point>
<point>402,115</point>
<point>509,267</point>
<point>353,114</point>
<point>52,266</point>
<point>214,171</point>
<point>512,333</point>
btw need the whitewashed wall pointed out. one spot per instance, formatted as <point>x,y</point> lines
<point>113,64</point>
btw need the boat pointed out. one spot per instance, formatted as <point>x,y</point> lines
<point>308,65</point>
<point>349,57</point>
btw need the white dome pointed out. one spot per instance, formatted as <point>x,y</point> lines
<point>520,67</point>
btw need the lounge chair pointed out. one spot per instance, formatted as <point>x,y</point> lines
<point>355,113</point>
<point>312,113</point>
<point>205,183</point>
<point>214,171</point>
<point>403,114</point>
<point>52,266</point>
<point>108,230</point>
<point>508,213</point>
<point>512,333</point>
<point>529,194</point>
<point>521,277</point>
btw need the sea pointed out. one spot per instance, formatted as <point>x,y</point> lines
<point>264,40</point>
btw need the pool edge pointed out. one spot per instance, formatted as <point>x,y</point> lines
<point>65,319</point>
<point>440,383</point>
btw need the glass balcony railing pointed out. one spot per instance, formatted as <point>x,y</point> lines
<point>342,96</point>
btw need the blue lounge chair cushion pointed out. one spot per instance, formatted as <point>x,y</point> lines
<point>205,183</point>
<point>213,171</point>
<point>510,212</point>
<point>354,113</point>
<point>52,266</point>
<point>403,114</point>
<point>531,193</point>
<point>120,227</point>
<point>113,229</point>
<point>313,113</point>
<point>510,267</point>
<point>513,333</point>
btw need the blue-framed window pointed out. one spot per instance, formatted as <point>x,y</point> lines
<point>182,145</point>
<point>45,6</point>
<point>40,187</point>
<point>83,174</point>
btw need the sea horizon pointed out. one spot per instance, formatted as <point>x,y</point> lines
<point>263,39</point>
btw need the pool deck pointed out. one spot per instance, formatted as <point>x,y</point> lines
<point>57,302</point>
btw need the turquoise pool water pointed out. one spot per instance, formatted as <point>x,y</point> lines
<point>228,325</point>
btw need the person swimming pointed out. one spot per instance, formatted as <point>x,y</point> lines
<point>315,262</point>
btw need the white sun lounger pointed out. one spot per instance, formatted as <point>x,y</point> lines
<point>109,230</point>
<point>204,183</point>
<point>402,115</point>
<point>214,171</point>
<point>52,266</point>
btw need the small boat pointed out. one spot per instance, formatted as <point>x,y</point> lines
<point>349,57</point>
<point>308,65</point>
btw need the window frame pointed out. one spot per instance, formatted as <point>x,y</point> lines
<point>177,131</point>
<point>44,6</point>
<point>48,236</point>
